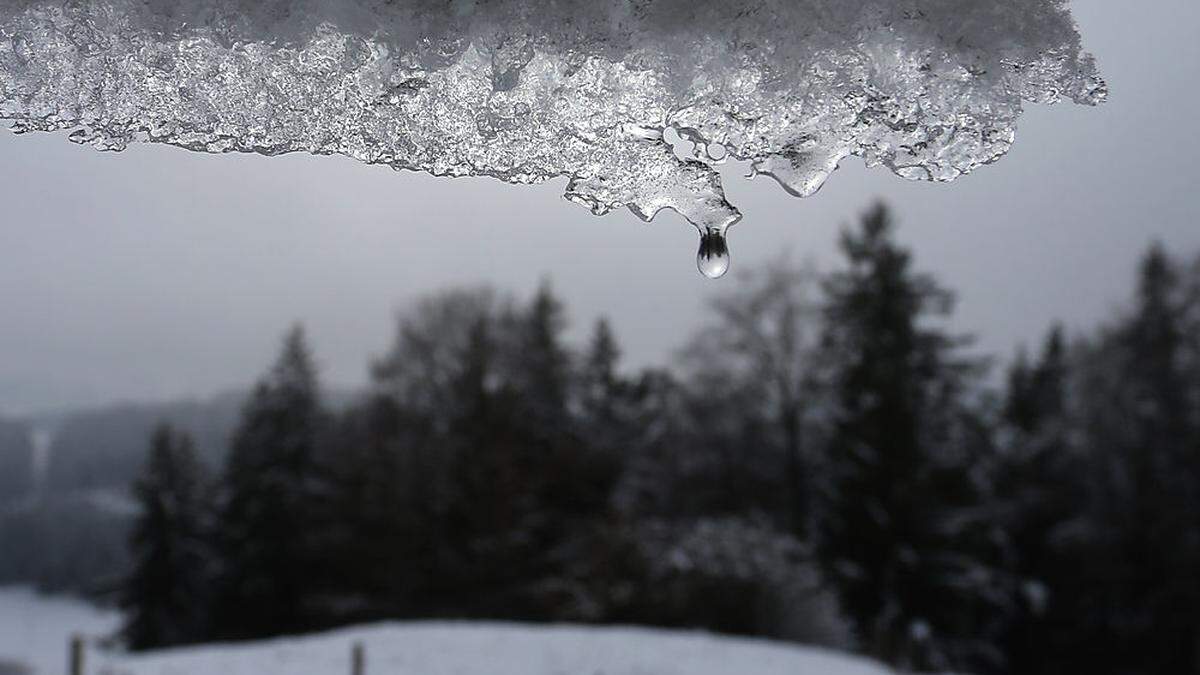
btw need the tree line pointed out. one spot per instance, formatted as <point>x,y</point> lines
<point>825,462</point>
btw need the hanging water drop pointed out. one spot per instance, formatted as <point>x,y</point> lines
<point>713,258</point>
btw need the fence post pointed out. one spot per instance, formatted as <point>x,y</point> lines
<point>76,655</point>
<point>358,660</point>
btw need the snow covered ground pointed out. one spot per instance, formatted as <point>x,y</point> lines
<point>34,632</point>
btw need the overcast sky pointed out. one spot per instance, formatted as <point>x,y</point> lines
<point>157,273</point>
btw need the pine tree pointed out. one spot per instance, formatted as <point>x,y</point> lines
<point>611,416</point>
<point>379,526</point>
<point>530,482</point>
<point>272,485</point>
<point>903,538</point>
<point>601,382</point>
<point>543,364</point>
<point>494,476</point>
<point>1139,399</point>
<point>166,596</point>
<point>1020,405</point>
<point>1043,483</point>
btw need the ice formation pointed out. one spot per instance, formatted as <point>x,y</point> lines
<point>529,90</point>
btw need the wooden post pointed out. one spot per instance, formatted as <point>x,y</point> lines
<point>358,660</point>
<point>76,655</point>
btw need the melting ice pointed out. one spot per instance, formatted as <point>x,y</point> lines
<point>527,90</point>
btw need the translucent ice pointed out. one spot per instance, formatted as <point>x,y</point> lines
<point>528,90</point>
<point>713,258</point>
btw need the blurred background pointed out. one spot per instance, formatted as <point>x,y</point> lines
<point>951,428</point>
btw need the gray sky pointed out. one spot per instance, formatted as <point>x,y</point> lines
<point>158,273</point>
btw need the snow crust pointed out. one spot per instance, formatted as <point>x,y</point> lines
<point>529,90</point>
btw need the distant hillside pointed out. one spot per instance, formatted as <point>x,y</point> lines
<point>72,542</point>
<point>104,448</point>
<point>71,533</point>
<point>16,461</point>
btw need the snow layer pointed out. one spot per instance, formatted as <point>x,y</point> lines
<point>528,90</point>
<point>34,631</point>
<point>500,649</point>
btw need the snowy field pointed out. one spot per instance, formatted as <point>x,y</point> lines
<point>34,632</point>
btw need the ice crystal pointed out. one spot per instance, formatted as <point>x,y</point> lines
<point>527,90</point>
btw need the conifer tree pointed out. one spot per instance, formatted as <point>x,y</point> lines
<point>272,484</point>
<point>1043,485</point>
<point>601,381</point>
<point>544,373</point>
<point>611,415</point>
<point>1019,403</point>
<point>494,475</point>
<point>165,598</point>
<point>902,539</point>
<point>1140,398</point>
<point>378,527</point>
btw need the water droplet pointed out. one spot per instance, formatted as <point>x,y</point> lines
<point>713,258</point>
